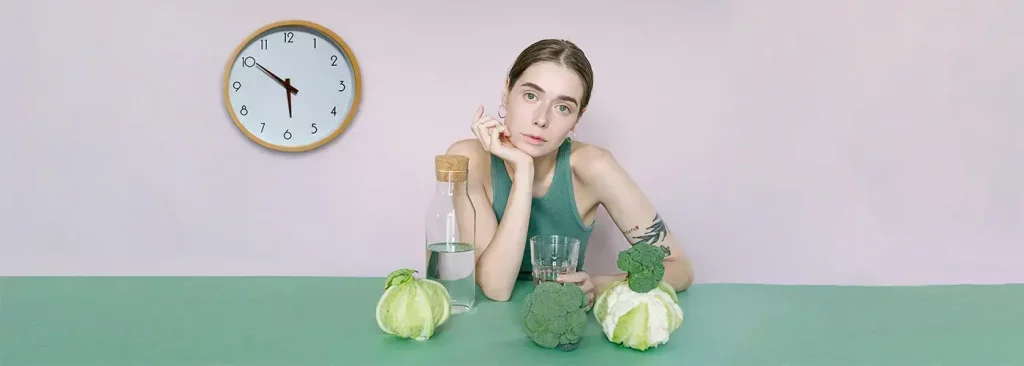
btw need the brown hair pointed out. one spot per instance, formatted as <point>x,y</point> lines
<point>560,51</point>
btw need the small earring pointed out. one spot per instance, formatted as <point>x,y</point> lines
<point>501,110</point>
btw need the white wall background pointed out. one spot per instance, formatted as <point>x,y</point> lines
<point>866,142</point>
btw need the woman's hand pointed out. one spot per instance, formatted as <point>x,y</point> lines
<point>582,279</point>
<point>494,138</point>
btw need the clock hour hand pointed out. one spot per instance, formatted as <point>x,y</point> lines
<point>283,83</point>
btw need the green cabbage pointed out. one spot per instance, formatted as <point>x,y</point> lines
<point>411,307</point>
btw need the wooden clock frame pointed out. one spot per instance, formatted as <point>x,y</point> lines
<point>350,56</point>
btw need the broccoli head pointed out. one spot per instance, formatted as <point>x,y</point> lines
<point>643,266</point>
<point>555,314</point>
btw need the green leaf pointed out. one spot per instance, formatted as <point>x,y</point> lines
<point>399,277</point>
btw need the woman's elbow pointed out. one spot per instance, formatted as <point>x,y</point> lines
<point>496,292</point>
<point>498,296</point>
<point>686,282</point>
<point>685,276</point>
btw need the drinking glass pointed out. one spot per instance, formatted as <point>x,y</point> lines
<point>553,255</point>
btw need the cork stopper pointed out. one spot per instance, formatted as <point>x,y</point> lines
<point>451,168</point>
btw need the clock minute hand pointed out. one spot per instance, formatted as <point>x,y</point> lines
<point>283,83</point>
<point>288,83</point>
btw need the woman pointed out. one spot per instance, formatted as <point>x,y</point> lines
<point>527,177</point>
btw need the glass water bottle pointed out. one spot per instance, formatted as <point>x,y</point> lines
<point>450,232</point>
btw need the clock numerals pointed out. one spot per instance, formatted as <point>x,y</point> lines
<point>244,111</point>
<point>343,87</point>
<point>288,133</point>
<point>248,61</point>
<point>288,36</point>
<point>334,60</point>
<point>334,111</point>
<point>264,44</point>
<point>314,42</point>
<point>237,85</point>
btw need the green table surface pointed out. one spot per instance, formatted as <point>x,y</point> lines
<point>158,321</point>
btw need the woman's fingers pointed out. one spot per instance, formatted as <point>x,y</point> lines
<point>495,136</point>
<point>587,287</point>
<point>479,113</point>
<point>481,134</point>
<point>487,131</point>
<point>576,277</point>
<point>581,279</point>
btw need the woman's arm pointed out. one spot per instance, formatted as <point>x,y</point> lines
<point>499,247</point>
<point>632,212</point>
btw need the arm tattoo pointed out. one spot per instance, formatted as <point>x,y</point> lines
<point>657,231</point>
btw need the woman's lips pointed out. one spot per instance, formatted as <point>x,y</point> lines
<point>534,139</point>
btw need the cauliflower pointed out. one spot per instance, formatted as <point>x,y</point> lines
<point>554,315</point>
<point>640,311</point>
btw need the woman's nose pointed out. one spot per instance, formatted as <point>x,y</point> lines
<point>540,117</point>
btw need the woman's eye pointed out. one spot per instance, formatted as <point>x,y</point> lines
<point>530,96</point>
<point>563,109</point>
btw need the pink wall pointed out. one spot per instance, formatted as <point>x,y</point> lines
<point>786,141</point>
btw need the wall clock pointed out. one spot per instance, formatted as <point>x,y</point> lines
<point>292,85</point>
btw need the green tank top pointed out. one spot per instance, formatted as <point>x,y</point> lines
<point>553,213</point>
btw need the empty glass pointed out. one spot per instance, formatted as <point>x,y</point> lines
<point>553,255</point>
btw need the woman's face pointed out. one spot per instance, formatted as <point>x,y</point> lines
<point>542,107</point>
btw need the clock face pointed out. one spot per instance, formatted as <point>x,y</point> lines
<point>292,86</point>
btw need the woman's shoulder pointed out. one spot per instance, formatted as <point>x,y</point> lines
<point>467,147</point>
<point>478,157</point>
<point>590,161</point>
